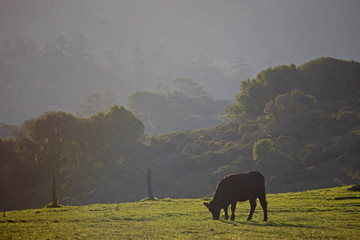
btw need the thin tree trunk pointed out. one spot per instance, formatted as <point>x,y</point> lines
<point>54,192</point>
<point>149,184</point>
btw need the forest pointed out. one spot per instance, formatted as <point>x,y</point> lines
<point>298,125</point>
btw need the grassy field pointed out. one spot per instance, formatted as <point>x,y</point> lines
<point>332,213</point>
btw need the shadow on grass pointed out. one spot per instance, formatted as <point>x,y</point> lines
<point>265,224</point>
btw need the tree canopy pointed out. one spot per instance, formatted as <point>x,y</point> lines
<point>325,79</point>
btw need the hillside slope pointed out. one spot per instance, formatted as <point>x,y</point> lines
<point>318,214</point>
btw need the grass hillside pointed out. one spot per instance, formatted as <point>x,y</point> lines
<point>332,213</point>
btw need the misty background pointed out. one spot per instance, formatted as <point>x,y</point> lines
<point>97,92</point>
<point>145,45</point>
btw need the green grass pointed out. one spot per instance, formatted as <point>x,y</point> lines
<point>332,213</point>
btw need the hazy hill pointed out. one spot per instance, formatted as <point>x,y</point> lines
<point>189,107</point>
<point>7,131</point>
<point>65,75</point>
<point>36,79</point>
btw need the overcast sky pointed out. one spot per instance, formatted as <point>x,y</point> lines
<point>262,32</point>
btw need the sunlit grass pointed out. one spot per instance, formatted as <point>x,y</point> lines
<point>305,215</point>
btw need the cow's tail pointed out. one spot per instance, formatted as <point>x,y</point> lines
<point>262,195</point>
<point>261,185</point>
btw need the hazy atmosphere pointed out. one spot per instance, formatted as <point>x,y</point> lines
<point>144,43</point>
<point>136,118</point>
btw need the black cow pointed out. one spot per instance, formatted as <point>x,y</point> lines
<point>238,188</point>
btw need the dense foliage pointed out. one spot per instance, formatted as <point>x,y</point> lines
<point>72,148</point>
<point>287,125</point>
<point>330,81</point>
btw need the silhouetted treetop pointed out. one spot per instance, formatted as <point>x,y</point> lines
<point>326,79</point>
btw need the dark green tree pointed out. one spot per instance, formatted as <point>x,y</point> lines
<point>255,93</point>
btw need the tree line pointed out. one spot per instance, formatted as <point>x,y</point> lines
<point>300,137</point>
<point>62,144</point>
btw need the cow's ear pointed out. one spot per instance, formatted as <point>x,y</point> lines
<point>206,204</point>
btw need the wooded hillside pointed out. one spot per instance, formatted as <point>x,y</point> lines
<point>300,126</point>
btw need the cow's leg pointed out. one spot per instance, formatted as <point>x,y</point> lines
<point>264,206</point>
<point>233,207</point>
<point>226,212</point>
<point>252,209</point>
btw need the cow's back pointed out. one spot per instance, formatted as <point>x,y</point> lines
<point>240,187</point>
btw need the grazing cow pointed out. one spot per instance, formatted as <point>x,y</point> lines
<point>238,188</point>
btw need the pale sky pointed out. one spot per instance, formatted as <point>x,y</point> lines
<point>260,31</point>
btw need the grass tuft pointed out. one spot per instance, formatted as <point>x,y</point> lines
<point>53,205</point>
<point>148,199</point>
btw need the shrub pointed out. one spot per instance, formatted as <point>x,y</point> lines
<point>263,148</point>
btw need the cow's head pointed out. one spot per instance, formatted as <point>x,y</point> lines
<point>214,209</point>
